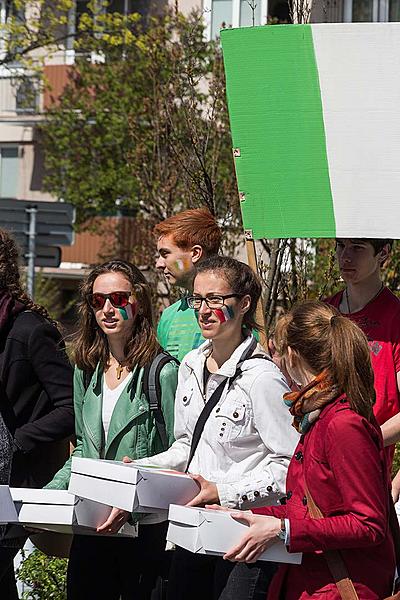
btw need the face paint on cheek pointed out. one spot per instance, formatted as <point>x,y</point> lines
<point>224,314</point>
<point>183,264</point>
<point>128,312</point>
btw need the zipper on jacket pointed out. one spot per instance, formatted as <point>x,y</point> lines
<point>202,393</point>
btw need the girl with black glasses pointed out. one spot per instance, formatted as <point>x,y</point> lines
<point>240,459</point>
<point>114,343</point>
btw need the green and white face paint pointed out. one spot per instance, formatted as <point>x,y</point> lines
<point>129,311</point>
<point>183,264</point>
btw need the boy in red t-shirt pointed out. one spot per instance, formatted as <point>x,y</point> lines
<point>376,310</point>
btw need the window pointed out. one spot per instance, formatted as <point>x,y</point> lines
<point>221,16</point>
<point>124,7</point>
<point>363,11</point>
<point>394,10</point>
<point>250,13</point>
<point>27,97</point>
<point>9,164</point>
<point>371,10</point>
<point>8,10</point>
<point>233,13</point>
<point>82,7</point>
<point>278,11</point>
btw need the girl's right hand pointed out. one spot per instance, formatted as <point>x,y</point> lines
<point>116,519</point>
<point>262,533</point>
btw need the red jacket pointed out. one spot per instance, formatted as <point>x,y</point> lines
<point>342,460</point>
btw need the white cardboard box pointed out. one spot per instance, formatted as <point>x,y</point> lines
<point>62,512</point>
<point>133,488</point>
<point>8,514</point>
<point>205,531</point>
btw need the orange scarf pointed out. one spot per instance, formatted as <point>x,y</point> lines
<point>306,404</point>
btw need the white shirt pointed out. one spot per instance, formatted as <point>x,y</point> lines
<point>110,399</point>
<point>248,439</point>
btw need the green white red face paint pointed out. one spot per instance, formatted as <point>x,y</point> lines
<point>224,314</point>
<point>129,311</point>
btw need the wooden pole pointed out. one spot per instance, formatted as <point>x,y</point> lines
<point>252,261</point>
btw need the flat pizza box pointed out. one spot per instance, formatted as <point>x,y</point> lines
<point>62,512</point>
<point>204,531</point>
<point>129,486</point>
<point>8,514</point>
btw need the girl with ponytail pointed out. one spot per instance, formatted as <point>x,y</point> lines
<point>337,489</point>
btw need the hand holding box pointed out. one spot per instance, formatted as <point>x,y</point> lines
<point>129,486</point>
<point>205,531</point>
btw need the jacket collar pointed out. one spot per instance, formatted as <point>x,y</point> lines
<point>196,361</point>
<point>128,407</point>
<point>183,304</point>
<point>341,400</point>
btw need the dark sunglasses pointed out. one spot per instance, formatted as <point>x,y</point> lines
<point>117,299</point>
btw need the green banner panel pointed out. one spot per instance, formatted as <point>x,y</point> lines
<point>277,124</point>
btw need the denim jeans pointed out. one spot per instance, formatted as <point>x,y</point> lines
<point>205,577</point>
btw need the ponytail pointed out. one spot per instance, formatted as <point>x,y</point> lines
<point>351,364</point>
<point>327,341</point>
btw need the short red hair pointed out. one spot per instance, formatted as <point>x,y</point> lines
<point>193,227</point>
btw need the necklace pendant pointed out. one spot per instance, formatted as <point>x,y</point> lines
<point>119,370</point>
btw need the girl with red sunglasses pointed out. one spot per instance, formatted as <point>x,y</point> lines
<point>114,343</point>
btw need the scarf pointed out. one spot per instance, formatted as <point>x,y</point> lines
<point>306,404</point>
<point>9,309</point>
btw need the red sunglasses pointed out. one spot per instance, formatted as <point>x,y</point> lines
<point>117,299</point>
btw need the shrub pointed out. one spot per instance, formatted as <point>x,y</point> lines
<point>45,576</point>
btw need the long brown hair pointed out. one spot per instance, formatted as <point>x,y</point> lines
<point>328,341</point>
<point>90,344</point>
<point>10,278</point>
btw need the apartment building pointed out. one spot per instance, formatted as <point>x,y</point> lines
<point>21,156</point>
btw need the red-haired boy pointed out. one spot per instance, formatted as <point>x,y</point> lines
<point>183,240</point>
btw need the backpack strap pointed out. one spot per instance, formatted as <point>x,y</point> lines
<point>151,387</point>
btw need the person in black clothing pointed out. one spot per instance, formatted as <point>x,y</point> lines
<point>35,393</point>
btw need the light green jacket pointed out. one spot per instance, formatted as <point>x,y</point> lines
<point>132,431</point>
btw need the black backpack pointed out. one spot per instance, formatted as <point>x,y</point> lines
<point>151,387</point>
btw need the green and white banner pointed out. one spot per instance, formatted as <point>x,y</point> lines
<point>315,120</point>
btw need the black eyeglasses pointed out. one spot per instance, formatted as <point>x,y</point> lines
<point>214,301</point>
<point>117,299</point>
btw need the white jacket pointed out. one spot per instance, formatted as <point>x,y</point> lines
<point>248,439</point>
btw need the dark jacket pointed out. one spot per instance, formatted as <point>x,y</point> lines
<point>342,461</point>
<point>36,398</point>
